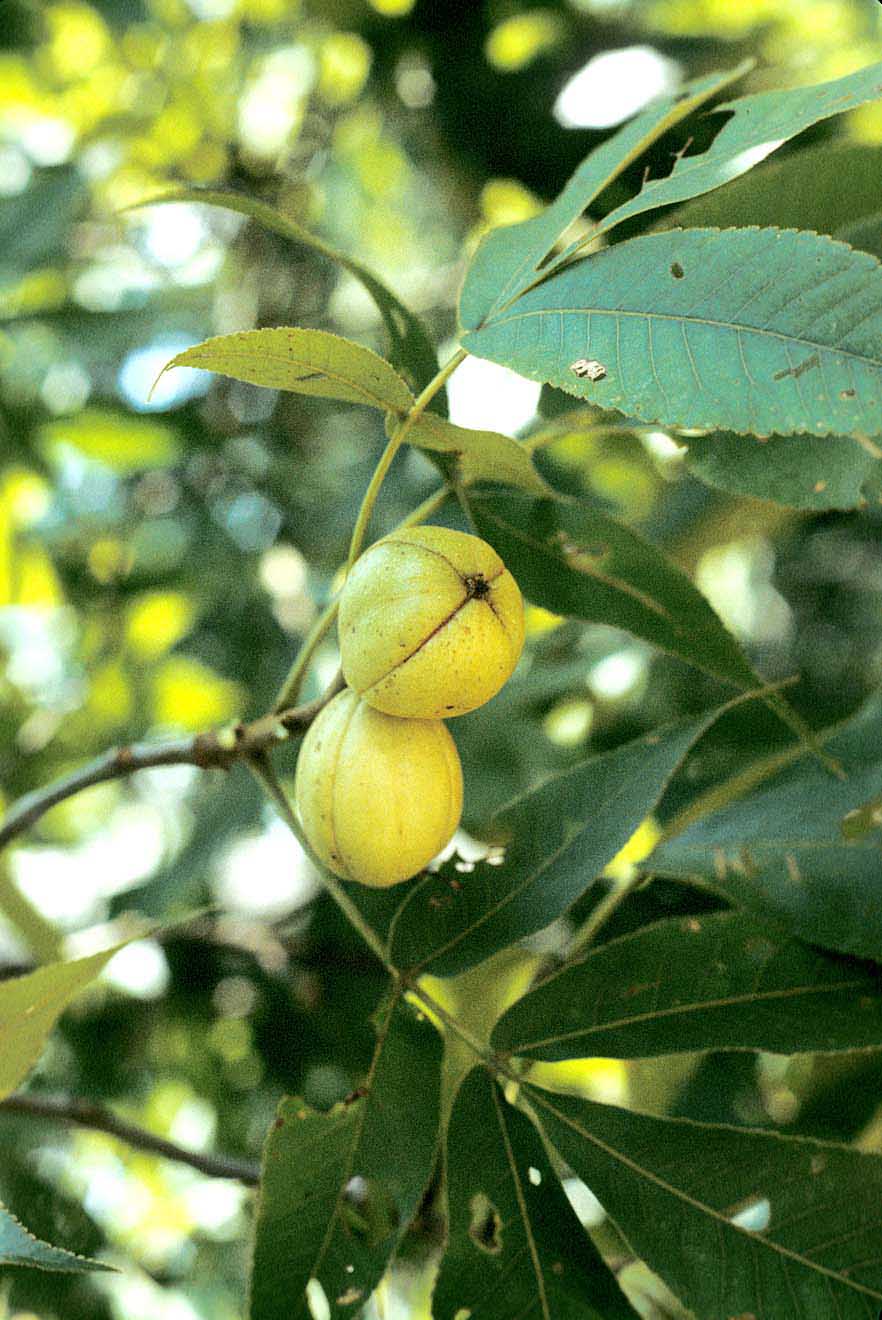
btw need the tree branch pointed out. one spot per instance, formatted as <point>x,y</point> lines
<point>83,1113</point>
<point>216,749</point>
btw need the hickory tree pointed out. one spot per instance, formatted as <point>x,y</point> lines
<point>747,917</point>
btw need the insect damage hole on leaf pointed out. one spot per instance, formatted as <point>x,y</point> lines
<point>485,1228</point>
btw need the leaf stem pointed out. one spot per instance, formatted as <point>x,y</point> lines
<point>396,441</point>
<point>290,689</point>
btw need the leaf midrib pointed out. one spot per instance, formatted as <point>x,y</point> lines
<point>283,360</point>
<point>687,318</point>
<point>730,1001</point>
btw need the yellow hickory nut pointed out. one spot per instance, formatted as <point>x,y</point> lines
<point>378,797</point>
<point>431,623</point>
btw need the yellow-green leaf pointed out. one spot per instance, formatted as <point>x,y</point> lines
<point>31,1005</point>
<point>305,361</point>
<point>480,455</point>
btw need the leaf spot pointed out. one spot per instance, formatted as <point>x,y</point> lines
<point>588,368</point>
<point>799,369</point>
<point>351,1295</point>
<point>535,1176</point>
<point>847,394</point>
<point>677,270</point>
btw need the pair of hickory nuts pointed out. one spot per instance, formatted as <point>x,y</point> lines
<point>431,625</point>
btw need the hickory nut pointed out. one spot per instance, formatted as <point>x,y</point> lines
<point>378,797</point>
<point>431,623</point>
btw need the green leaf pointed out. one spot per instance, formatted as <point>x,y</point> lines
<point>340,1188</point>
<point>31,1005</point>
<point>574,560</point>
<point>798,471</point>
<point>748,330</point>
<point>480,455</point>
<point>19,1247</point>
<point>759,124</point>
<point>823,188</point>
<point>508,259</point>
<point>515,1246</point>
<point>305,361</point>
<point>560,836</point>
<point>720,981</point>
<point>673,1187</point>
<point>786,849</point>
<point>410,347</point>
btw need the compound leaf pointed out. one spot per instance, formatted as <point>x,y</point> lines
<point>508,259</point>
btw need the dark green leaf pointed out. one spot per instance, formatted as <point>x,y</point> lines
<point>787,850</point>
<point>574,560</point>
<point>515,1246</point>
<point>509,258</point>
<point>410,348</point>
<point>305,361</point>
<point>673,1188</point>
<point>724,981</point>
<point>750,330</point>
<point>822,188</point>
<point>560,836</point>
<point>799,471</point>
<point>340,1188</point>
<point>19,1247</point>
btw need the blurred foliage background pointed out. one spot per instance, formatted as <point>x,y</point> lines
<point>160,559</point>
